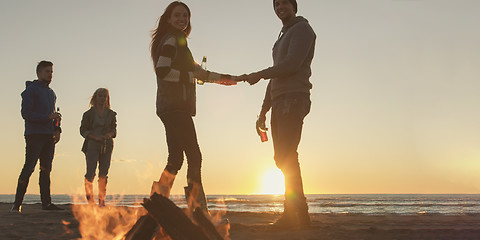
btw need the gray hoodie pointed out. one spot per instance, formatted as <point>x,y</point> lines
<point>292,56</point>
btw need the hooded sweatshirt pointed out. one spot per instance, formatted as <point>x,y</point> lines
<point>38,102</point>
<point>292,56</point>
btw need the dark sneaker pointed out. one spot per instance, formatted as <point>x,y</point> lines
<point>51,207</point>
<point>16,209</point>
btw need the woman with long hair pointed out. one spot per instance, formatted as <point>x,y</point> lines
<point>98,127</point>
<point>176,104</point>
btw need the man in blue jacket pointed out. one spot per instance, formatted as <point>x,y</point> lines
<point>288,95</point>
<point>42,132</point>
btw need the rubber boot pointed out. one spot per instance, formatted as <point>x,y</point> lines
<point>102,191</point>
<point>195,196</point>
<point>164,185</point>
<point>296,208</point>
<point>89,191</point>
<point>301,208</point>
<point>288,218</point>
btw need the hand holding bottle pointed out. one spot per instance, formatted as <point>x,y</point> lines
<point>261,128</point>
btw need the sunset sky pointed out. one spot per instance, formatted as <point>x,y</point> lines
<point>395,98</point>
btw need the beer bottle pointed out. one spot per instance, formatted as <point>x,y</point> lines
<point>58,119</point>
<point>203,65</point>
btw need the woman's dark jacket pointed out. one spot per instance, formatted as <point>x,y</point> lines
<point>87,126</point>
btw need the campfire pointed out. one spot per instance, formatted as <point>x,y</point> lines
<point>159,219</point>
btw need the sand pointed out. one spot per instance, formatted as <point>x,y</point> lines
<point>34,223</point>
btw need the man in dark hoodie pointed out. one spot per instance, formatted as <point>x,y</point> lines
<point>288,95</point>
<point>42,132</point>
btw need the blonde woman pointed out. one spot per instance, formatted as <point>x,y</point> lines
<point>98,127</point>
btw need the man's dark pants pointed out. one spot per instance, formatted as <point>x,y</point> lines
<point>288,112</point>
<point>38,146</point>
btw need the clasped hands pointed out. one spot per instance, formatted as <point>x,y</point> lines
<point>251,78</point>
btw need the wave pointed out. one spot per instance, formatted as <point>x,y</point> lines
<point>395,205</point>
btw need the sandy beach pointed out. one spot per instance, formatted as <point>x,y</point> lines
<point>34,223</point>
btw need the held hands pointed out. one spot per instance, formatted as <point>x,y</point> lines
<point>251,78</point>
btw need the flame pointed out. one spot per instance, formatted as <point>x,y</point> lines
<point>222,225</point>
<point>110,222</point>
<point>162,235</point>
<point>114,221</point>
<point>66,225</point>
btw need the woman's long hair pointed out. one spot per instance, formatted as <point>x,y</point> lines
<point>163,27</point>
<point>98,91</point>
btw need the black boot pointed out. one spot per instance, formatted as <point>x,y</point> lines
<point>302,212</point>
<point>288,218</point>
<point>295,214</point>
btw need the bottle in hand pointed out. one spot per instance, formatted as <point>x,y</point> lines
<point>263,134</point>
<point>58,119</point>
<point>204,66</point>
<point>262,130</point>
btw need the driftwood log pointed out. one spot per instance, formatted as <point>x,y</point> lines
<point>144,229</point>
<point>164,213</point>
<point>205,224</point>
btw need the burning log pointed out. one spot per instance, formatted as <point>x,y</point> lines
<point>173,221</point>
<point>144,229</point>
<point>206,225</point>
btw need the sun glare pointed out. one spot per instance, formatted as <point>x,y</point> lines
<point>273,182</point>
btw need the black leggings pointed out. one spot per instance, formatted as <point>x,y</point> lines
<point>182,138</point>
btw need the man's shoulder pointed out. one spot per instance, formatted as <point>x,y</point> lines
<point>302,28</point>
<point>30,87</point>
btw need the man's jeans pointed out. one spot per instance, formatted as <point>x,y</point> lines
<point>288,112</point>
<point>38,146</point>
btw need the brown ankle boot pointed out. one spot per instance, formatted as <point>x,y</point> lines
<point>164,185</point>
<point>89,191</point>
<point>102,191</point>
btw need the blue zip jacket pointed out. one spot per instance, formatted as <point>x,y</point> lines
<point>38,102</point>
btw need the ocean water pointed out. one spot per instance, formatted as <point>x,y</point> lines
<point>370,204</point>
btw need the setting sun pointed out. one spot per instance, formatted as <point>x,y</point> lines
<point>273,182</point>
